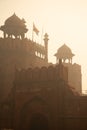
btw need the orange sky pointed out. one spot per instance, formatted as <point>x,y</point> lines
<point>64,20</point>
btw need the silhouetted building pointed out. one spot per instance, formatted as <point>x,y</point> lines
<point>18,52</point>
<point>74,70</point>
<point>33,94</point>
<point>41,99</point>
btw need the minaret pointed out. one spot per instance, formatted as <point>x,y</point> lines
<point>46,45</point>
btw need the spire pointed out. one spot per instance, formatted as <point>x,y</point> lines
<point>46,45</point>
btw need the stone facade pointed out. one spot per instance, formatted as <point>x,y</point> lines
<point>34,95</point>
<point>74,70</point>
<point>18,54</point>
<point>42,99</point>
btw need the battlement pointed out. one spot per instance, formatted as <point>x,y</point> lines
<point>42,74</point>
<point>10,43</point>
<point>22,45</point>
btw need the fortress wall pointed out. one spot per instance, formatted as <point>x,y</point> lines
<point>17,53</point>
<point>25,47</point>
<point>25,44</point>
<point>23,53</point>
<point>42,74</point>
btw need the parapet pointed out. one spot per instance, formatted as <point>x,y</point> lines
<point>11,43</point>
<point>22,45</point>
<point>51,73</point>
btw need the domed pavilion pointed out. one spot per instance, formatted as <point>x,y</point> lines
<point>64,53</point>
<point>14,26</point>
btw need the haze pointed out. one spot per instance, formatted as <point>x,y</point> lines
<point>64,20</point>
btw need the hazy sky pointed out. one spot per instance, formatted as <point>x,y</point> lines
<point>64,20</point>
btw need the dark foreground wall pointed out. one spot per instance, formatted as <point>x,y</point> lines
<point>41,99</point>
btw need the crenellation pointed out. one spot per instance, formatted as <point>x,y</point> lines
<point>36,74</point>
<point>51,73</point>
<point>42,74</point>
<point>25,44</point>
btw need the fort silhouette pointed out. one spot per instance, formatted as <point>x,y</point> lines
<point>34,94</point>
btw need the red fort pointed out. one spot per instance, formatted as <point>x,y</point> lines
<point>34,94</point>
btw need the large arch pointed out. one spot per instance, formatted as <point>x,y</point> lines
<point>39,122</point>
<point>35,115</point>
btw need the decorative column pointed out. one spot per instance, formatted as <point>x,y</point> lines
<point>46,45</point>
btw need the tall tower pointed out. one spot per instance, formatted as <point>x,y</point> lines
<point>46,45</point>
<point>74,70</point>
<point>18,52</point>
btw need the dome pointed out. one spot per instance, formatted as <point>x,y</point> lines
<point>14,20</point>
<point>14,26</point>
<point>64,52</point>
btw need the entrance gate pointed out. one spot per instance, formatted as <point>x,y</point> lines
<point>39,122</point>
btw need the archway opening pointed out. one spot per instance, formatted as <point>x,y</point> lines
<point>39,122</point>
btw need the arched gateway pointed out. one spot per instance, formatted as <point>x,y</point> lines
<point>34,115</point>
<point>39,122</point>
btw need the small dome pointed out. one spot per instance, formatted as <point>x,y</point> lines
<point>64,52</point>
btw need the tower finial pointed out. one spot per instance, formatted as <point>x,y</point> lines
<point>46,45</point>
